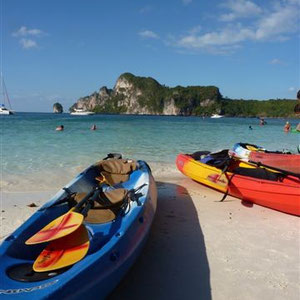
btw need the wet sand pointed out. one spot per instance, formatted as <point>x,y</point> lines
<point>198,248</point>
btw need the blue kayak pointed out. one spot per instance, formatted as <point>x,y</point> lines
<point>116,234</point>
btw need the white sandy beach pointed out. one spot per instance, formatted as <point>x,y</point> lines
<point>198,248</point>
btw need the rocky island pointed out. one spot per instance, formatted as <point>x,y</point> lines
<point>144,95</point>
<point>57,108</point>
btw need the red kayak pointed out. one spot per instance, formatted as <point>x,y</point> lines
<point>288,162</point>
<point>244,181</point>
<point>285,161</point>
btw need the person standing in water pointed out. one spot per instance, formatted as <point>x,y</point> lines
<point>262,122</point>
<point>287,127</point>
<point>94,127</point>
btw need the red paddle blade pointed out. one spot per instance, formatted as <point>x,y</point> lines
<point>63,252</point>
<point>58,228</point>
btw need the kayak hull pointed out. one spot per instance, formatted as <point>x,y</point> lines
<point>287,162</point>
<point>283,196</point>
<point>201,172</point>
<point>114,246</point>
<point>284,161</point>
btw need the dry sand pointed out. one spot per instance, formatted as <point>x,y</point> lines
<point>199,248</point>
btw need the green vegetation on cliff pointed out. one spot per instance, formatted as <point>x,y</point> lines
<point>153,93</point>
<point>187,99</point>
<point>112,106</point>
<point>197,100</point>
<point>258,108</point>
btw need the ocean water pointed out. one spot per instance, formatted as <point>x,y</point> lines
<point>34,155</point>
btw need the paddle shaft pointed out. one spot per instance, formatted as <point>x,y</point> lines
<point>85,199</point>
<point>95,196</point>
<point>259,164</point>
<point>79,204</point>
<point>91,199</point>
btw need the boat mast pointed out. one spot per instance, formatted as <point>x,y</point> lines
<point>1,50</point>
<point>5,94</point>
<point>3,91</point>
<point>3,86</point>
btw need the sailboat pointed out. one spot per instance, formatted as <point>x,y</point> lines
<point>3,109</point>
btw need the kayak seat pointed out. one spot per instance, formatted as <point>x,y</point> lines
<point>112,197</point>
<point>106,207</point>
<point>100,215</point>
<point>116,170</point>
<point>109,203</point>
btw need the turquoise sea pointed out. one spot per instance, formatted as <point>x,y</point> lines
<point>31,149</point>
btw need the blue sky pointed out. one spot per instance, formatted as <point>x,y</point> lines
<point>63,50</point>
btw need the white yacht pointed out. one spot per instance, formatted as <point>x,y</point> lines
<point>81,112</point>
<point>216,116</point>
<point>5,111</point>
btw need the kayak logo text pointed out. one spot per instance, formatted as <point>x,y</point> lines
<point>27,290</point>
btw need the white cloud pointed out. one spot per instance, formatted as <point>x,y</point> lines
<point>26,35</point>
<point>276,61</point>
<point>186,2</point>
<point>240,9</point>
<point>148,34</point>
<point>275,24</point>
<point>28,43</point>
<point>292,89</point>
<point>226,36</point>
<point>24,31</point>
<point>279,23</point>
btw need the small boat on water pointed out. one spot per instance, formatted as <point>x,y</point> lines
<point>4,95</point>
<point>242,180</point>
<point>82,242</point>
<point>278,159</point>
<point>5,111</point>
<point>216,116</point>
<point>81,112</point>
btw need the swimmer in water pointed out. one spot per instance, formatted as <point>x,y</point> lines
<point>60,128</point>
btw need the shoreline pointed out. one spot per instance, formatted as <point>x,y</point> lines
<point>55,179</point>
<point>293,117</point>
<point>198,246</point>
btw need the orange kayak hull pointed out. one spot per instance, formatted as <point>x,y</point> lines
<point>282,195</point>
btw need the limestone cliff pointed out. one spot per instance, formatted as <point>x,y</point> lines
<point>144,95</point>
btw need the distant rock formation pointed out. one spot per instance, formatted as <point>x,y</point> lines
<point>144,95</point>
<point>57,108</point>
